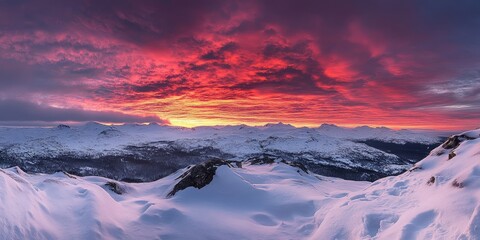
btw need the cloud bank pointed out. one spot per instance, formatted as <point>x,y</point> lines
<point>20,111</point>
<point>395,63</point>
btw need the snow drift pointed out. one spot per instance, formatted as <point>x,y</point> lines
<point>272,201</point>
<point>438,199</point>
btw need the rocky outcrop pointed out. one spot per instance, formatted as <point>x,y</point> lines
<point>115,187</point>
<point>63,126</point>
<point>260,160</point>
<point>454,141</point>
<point>270,159</point>
<point>200,175</point>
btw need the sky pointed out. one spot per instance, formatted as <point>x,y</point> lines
<point>400,64</point>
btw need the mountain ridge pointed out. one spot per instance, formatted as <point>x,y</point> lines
<point>264,198</point>
<point>149,152</point>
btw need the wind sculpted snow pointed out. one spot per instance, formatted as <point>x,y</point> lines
<point>273,201</point>
<point>438,199</point>
<point>266,201</point>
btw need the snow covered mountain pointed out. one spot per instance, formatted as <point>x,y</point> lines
<point>439,198</point>
<point>149,152</point>
<point>264,198</point>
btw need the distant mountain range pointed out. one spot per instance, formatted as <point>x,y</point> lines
<point>148,152</point>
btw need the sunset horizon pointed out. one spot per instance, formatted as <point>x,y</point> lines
<point>204,63</point>
<point>33,124</point>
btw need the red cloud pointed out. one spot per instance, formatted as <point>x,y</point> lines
<point>227,62</point>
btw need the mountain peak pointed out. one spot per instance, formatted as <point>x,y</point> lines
<point>432,195</point>
<point>328,126</point>
<point>63,126</point>
<point>279,125</point>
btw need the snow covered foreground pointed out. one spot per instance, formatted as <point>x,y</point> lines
<point>438,199</point>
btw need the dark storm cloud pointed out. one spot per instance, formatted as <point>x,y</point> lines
<point>407,26</point>
<point>26,112</point>
<point>297,86</point>
<point>389,55</point>
<point>443,29</point>
<point>288,80</point>
<point>57,77</point>
<point>211,55</point>
<point>161,88</point>
<point>219,53</point>
<point>152,87</point>
<point>277,50</point>
<point>141,22</point>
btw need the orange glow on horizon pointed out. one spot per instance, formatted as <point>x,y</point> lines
<point>242,62</point>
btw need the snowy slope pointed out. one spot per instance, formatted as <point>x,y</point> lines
<point>264,202</point>
<point>378,133</point>
<point>95,138</point>
<point>329,149</point>
<point>438,199</point>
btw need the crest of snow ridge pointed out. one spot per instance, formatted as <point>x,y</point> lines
<point>449,149</point>
<point>200,175</point>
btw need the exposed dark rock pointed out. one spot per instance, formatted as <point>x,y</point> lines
<point>457,184</point>
<point>455,140</point>
<point>237,163</point>
<point>115,187</point>
<point>110,133</point>
<point>431,180</point>
<point>63,126</point>
<point>200,175</point>
<point>271,159</point>
<point>69,175</point>
<point>439,152</point>
<point>451,155</point>
<point>452,142</point>
<point>264,159</point>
